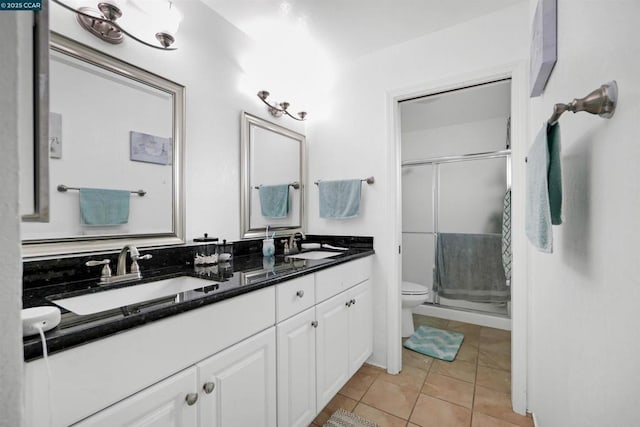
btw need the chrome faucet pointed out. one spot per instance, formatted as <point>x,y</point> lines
<point>121,272</point>
<point>296,238</point>
<point>135,256</point>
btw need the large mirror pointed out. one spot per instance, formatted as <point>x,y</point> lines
<point>272,178</point>
<point>115,155</point>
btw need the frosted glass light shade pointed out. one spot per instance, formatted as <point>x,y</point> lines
<point>168,18</point>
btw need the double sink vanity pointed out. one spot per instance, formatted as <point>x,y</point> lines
<point>252,342</point>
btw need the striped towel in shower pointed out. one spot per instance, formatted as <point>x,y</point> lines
<point>506,236</point>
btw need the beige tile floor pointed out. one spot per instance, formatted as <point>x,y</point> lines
<point>472,391</point>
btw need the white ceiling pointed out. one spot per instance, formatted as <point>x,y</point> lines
<point>351,28</point>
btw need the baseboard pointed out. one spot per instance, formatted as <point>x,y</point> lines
<point>535,422</point>
<point>376,364</point>
<point>488,320</point>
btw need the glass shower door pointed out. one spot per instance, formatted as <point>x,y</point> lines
<point>469,225</point>
<point>418,240</point>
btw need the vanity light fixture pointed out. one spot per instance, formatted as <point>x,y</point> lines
<point>102,23</point>
<point>281,108</point>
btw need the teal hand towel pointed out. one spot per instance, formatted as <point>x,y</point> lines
<point>554,174</point>
<point>339,199</point>
<point>104,207</point>
<point>544,188</point>
<point>274,200</point>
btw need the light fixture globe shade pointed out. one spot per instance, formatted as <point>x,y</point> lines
<point>168,18</point>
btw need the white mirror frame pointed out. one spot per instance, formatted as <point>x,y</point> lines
<point>46,247</point>
<point>246,232</point>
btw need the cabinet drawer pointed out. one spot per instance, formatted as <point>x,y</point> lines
<point>334,280</point>
<point>294,296</point>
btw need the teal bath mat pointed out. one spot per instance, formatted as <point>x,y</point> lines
<point>436,343</point>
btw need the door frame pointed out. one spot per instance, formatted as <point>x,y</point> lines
<point>518,74</point>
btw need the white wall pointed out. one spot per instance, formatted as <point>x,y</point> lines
<point>354,140</point>
<point>584,298</point>
<point>13,33</point>
<point>207,64</point>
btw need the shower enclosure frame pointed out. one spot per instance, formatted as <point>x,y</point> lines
<point>435,197</point>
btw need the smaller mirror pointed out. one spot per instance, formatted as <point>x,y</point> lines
<point>272,178</point>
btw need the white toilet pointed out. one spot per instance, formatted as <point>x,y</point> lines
<point>413,295</point>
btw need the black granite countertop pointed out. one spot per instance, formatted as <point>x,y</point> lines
<point>243,274</point>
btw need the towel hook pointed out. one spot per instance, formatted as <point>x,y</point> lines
<point>601,101</point>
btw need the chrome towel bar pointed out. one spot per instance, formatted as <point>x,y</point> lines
<point>369,180</point>
<point>62,188</point>
<point>295,185</point>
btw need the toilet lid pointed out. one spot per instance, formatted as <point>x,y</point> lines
<point>410,288</point>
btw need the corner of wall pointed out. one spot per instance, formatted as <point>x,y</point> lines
<point>13,35</point>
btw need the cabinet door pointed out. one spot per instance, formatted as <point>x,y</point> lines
<point>360,326</point>
<point>332,347</point>
<point>238,385</point>
<point>296,343</point>
<point>162,405</point>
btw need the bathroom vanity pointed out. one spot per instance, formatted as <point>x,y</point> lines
<point>252,342</point>
<point>269,345</point>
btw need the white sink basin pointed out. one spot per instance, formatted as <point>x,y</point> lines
<point>108,300</point>
<point>314,255</point>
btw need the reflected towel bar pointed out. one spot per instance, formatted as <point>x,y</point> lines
<point>295,185</point>
<point>601,101</point>
<point>369,180</point>
<point>62,188</point>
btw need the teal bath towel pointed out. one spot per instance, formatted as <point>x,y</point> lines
<point>544,188</point>
<point>274,200</point>
<point>554,174</point>
<point>104,207</point>
<point>340,199</point>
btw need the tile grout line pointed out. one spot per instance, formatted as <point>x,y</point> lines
<point>420,390</point>
<point>475,382</point>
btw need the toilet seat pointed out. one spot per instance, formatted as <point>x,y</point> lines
<point>410,288</point>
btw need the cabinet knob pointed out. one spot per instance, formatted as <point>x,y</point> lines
<point>191,399</point>
<point>300,293</point>
<point>314,323</point>
<point>208,387</point>
<point>353,301</point>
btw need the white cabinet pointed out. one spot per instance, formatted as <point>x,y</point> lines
<point>332,341</point>
<point>360,326</point>
<point>296,341</point>
<point>343,339</point>
<point>238,385</point>
<point>272,356</point>
<point>89,378</point>
<point>169,403</point>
